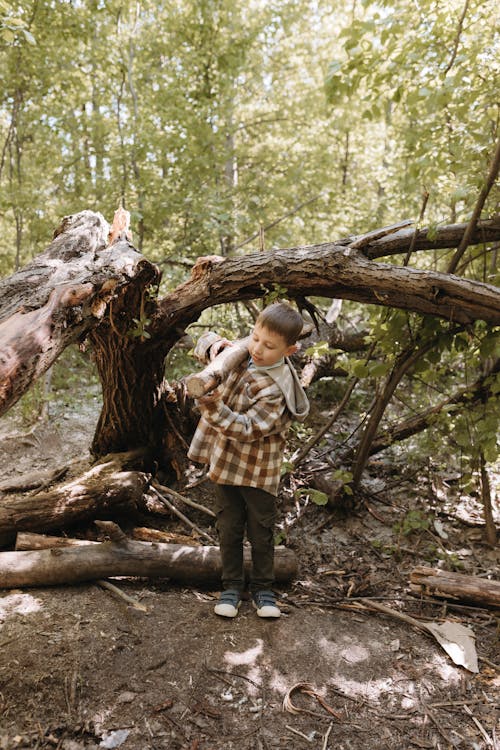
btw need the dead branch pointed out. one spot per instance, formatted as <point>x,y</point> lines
<point>456,586</point>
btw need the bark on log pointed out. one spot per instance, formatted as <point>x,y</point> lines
<point>182,563</point>
<point>456,586</point>
<point>26,540</point>
<point>104,491</point>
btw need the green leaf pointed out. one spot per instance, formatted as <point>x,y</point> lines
<point>360,370</point>
<point>318,498</point>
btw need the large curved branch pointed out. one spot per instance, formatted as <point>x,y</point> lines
<point>330,270</point>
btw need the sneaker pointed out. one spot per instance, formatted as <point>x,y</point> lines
<point>265,604</point>
<point>228,604</point>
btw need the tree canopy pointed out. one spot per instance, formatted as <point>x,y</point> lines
<point>210,119</point>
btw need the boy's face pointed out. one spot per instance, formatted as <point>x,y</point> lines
<point>268,347</point>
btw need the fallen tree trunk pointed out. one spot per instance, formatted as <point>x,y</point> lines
<point>456,586</point>
<point>105,491</point>
<point>330,270</point>
<point>124,557</point>
<point>445,237</point>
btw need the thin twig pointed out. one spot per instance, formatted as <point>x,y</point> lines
<point>300,734</point>
<point>425,198</point>
<point>122,595</point>
<point>478,724</point>
<point>277,221</point>
<point>457,39</point>
<point>438,726</point>
<point>317,437</point>
<point>180,515</point>
<point>182,498</point>
<point>327,734</point>
<point>471,226</point>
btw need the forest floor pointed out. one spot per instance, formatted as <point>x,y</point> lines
<point>79,668</point>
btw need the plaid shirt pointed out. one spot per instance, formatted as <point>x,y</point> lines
<point>242,430</point>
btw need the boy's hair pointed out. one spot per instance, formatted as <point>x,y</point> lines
<point>281,318</point>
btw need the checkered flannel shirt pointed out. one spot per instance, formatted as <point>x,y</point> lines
<point>241,433</point>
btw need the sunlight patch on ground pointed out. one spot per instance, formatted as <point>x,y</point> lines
<point>279,683</point>
<point>355,653</point>
<point>249,656</point>
<point>445,669</point>
<point>369,689</point>
<point>18,604</point>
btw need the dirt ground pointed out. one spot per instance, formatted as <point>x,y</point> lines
<point>79,668</point>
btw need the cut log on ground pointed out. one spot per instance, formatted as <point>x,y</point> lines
<point>105,491</point>
<point>26,540</point>
<point>456,586</point>
<point>125,557</point>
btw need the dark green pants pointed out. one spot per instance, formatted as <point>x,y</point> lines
<point>239,509</point>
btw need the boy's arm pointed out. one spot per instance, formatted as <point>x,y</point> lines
<point>266,416</point>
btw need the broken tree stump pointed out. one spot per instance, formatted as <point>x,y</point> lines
<point>125,557</point>
<point>457,586</point>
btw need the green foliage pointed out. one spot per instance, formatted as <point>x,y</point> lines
<point>140,329</point>
<point>272,294</point>
<point>427,80</point>
<point>315,496</point>
<point>319,349</point>
<point>345,477</point>
<point>414,521</point>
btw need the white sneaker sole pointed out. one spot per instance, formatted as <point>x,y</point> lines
<point>226,610</point>
<point>268,611</point>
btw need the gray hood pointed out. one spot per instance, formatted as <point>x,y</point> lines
<point>288,380</point>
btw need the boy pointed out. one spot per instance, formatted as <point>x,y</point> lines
<point>241,435</point>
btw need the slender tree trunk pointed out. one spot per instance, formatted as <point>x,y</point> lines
<point>491,532</point>
<point>404,362</point>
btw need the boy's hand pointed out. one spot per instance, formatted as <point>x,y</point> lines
<point>218,347</point>
<point>210,397</point>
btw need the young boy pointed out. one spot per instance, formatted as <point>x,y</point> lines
<point>241,436</point>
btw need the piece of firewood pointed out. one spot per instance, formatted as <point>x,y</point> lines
<point>126,557</point>
<point>457,586</point>
<point>214,373</point>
